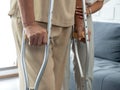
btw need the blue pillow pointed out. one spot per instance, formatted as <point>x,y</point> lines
<point>107,40</point>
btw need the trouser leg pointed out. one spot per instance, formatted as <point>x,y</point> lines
<point>66,82</point>
<point>61,56</point>
<point>17,33</point>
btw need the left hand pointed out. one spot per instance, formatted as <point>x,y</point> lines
<point>79,26</point>
<point>79,12</point>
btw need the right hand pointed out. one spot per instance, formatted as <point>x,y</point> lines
<point>36,35</point>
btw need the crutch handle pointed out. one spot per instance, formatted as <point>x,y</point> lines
<point>75,35</point>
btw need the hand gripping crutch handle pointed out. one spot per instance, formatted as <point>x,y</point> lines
<point>45,60</point>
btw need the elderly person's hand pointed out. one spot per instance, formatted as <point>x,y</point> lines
<point>79,25</point>
<point>36,35</point>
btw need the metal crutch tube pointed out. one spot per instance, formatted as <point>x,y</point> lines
<point>77,58</point>
<point>87,41</point>
<point>23,64</point>
<point>45,60</point>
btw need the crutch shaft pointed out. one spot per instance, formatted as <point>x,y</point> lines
<point>87,42</point>
<point>78,59</point>
<point>23,64</point>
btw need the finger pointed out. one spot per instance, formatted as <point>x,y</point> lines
<point>79,38</point>
<point>45,38</point>
<point>31,39</point>
<point>80,17</point>
<point>83,40</point>
<point>78,12</point>
<point>83,34</point>
<point>40,40</point>
<point>78,8</point>
<point>35,40</point>
<point>80,34</point>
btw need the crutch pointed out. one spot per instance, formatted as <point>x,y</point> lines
<point>45,60</point>
<point>87,47</point>
<point>86,40</point>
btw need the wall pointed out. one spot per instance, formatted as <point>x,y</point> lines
<point>110,12</point>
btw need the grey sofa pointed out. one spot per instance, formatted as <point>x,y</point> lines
<point>107,56</point>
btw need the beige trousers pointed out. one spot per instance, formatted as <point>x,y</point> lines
<point>85,64</point>
<point>59,48</point>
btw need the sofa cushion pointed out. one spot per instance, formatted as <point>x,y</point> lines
<point>107,40</point>
<point>106,75</point>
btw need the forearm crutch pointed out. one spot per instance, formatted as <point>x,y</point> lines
<point>83,76</point>
<point>45,60</point>
<point>87,40</point>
